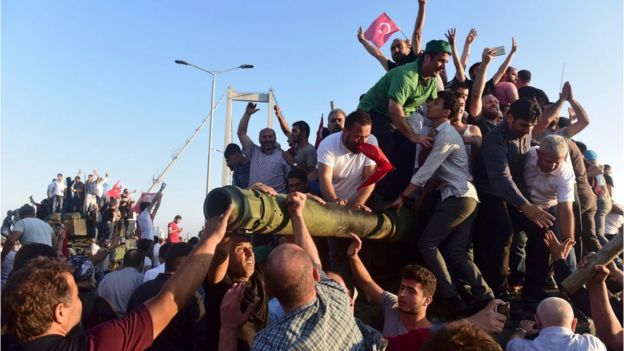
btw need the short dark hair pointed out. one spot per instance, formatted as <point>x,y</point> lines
<point>298,173</point>
<point>581,145</point>
<point>455,85</point>
<point>193,241</point>
<point>164,248</point>
<point>305,128</point>
<point>144,245</point>
<point>606,166</point>
<point>473,67</point>
<point>357,116</point>
<point>421,275</point>
<point>232,149</point>
<point>524,75</point>
<point>26,211</point>
<point>175,256</point>
<point>30,252</point>
<point>31,295</point>
<point>525,109</point>
<point>450,102</point>
<point>461,336</point>
<point>134,258</point>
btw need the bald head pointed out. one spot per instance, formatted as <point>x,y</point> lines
<point>555,312</point>
<point>290,276</point>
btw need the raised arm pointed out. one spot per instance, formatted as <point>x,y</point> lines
<point>372,50</point>
<point>608,327</point>
<point>296,202</point>
<point>418,27</point>
<point>459,70</point>
<point>479,83</point>
<point>553,111</point>
<point>282,121</point>
<point>220,262</point>
<point>472,34</point>
<point>503,67</point>
<point>360,274</point>
<point>582,118</point>
<point>178,289</point>
<point>9,243</point>
<point>244,123</point>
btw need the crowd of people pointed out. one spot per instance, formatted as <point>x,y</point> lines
<point>509,204</point>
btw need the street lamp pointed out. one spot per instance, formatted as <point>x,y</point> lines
<point>214,75</point>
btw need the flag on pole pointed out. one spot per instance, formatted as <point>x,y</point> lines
<point>319,134</point>
<point>115,192</point>
<point>380,30</point>
<point>383,164</point>
<point>145,197</point>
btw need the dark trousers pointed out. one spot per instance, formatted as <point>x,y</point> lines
<point>401,153</point>
<point>448,231</point>
<point>586,221</point>
<point>494,229</point>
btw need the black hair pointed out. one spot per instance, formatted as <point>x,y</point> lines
<point>298,173</point>
<point>525,109</point>
<point>357,116</point>
<point>232,149</point>
<point>29,252</point>
<point>143,205</point>
<point>193,241</point>
<point>144,245</point>
<point>175,255</point>
<point>458,85</point>
<point>177,217</point>
<point>473,67</point>
<point>305,128</point>
<point>450,102</point>
<point>524,75</point>
<point>134,258</point>
<point>26,211</point>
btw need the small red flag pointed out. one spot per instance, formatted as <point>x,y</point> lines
<point>380,30</point>
<point>145,197</point>
<point>319,134</point>
<point>115,191</point>
<point>383,164</point>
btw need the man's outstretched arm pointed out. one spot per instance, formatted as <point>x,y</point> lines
<point>418,27</point>
<point>372,50</point>
<point>361,276</point>
<point>296,202</point>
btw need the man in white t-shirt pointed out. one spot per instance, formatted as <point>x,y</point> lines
<point>342,169</point>
<point>28,230</point>
<point>550,181</point>
<point>145,221</point>
<point>58,192</point>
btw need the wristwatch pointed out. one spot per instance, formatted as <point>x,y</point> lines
<point>521,331</point>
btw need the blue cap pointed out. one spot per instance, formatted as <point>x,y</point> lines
<point>591,155</point>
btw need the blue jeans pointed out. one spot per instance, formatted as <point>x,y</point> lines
<point>57,203</point>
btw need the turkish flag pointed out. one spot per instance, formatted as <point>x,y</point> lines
<point>383,164</point>
<point>115,192</point>
<point>380,30</point>
<point>145,197</point>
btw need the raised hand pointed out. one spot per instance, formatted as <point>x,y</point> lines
<point>231,315</point>
<point>360,35</point>
<point>514,45</point>
<point>296,202</point>
<point>472,34</point>
<point>450,35</point>
<point>488,55</point>
<point>278,110</point>
<point>215,226</point>
<point>529,326</point>
<point>355,246</point>
<point>559,251</point>
<point>566,92</point>
<point>251,109</point>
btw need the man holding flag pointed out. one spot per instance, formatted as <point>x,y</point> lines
<point>401,50</point>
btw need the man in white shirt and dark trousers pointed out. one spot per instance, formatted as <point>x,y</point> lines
<point>555,323</point>
<point>58,193</point>
<point>446,169</point>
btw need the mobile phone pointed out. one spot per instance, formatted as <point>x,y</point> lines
<point>504,309</point>
<point>499,51</point>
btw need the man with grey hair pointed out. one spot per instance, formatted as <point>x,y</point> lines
<point>550,181</point>
<point>267,165</point>
<point>555,323</point>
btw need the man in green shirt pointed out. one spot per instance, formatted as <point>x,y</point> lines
<point>392,99</point>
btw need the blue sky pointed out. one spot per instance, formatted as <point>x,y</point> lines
<point>92,84</point>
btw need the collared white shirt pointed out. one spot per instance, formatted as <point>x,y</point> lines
<point>448,162</point>
<point>153,273</point>
<point>548,188</point>
<point>59,188</point>
<point>557,338</point>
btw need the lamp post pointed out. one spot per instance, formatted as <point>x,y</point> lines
<point>214,75</point>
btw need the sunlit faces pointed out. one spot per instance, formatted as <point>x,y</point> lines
<point>242,260</point>
<point>490,106</point>
<point>357,134</point>
<point>519,127</point>
<point>297,185</point>
<point>512,75</point>
<point>435,109</point>
<point>411,297</point>
<point>399,50</point>
<point>336,122</point>
<point>433,65</point>
<point>267,140</point>
<point>547,161</point>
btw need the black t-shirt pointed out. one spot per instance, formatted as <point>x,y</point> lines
<point>254,293</point>
<point>528,92</point>
<point>411,57</point>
